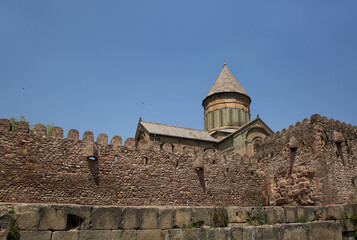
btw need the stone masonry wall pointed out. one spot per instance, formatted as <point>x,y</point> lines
<point>51,169</point>
<point>84,222</point>
<point>311,163</point>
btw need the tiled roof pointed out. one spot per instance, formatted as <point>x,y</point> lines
<point>226,82</point>
<point>174,131</point>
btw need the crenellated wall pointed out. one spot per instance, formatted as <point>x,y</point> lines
<point>311,163</point>
<point>36,168</point>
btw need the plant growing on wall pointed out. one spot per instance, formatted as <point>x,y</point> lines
<point>22,118</point>
<point>220,217</point>
<point>13,231</point>
<point>259,217</point>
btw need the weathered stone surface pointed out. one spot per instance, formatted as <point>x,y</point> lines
<point>52,218</point>
<point>325,230</point>
<point>166,218</point>
<point>333,212</point>
<point>270,214</point>
<point>237,233</point>
<point>279,215</point>
<point>290,214</point>
<point>123,234</point>
<point>202,214</point>
<point>308,212</point>
<point>149,218</point>
<point>106,218</point>
<point>266,232</point>
<point>217,234</point>
<point>65,235</point>
<point>237,215</point>
<point>5,126</point>
<point>78,217</point>
<point>293,143</point>
<point>182,217</point>
<point>38,235</point>
<point>94,235</point>
<point>176,234</point>
<point>193,234</point>
<point>27,217</point>
<point>338,137</point>
<point>295,232</point>
<point>4,217</point>
<point>130,218</point>
<point>148,234</point>
<point>22,127</point>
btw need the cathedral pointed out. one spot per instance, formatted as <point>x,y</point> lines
<point>227,122</point>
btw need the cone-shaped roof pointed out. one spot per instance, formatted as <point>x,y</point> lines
<point>226,82</point>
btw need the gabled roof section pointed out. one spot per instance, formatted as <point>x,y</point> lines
<point>174,131</point>
<point>226,82</point>
<point>247,125</point>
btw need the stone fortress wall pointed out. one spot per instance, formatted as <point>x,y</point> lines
<point>311,163</point>
<point>52,169</point>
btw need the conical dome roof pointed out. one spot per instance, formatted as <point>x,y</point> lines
<point>226,82</point>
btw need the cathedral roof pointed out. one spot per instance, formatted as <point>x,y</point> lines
<point>226,82</point>
<point>174,131</point>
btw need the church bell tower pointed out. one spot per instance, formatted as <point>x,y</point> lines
<point>226,105</point>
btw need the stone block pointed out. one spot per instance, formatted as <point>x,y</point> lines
<point>217,234</point>
<point>106,218</point>
<point>148,234</point>
<point>182,217</point>
<point>123,234</point>
<point>94,235</point>
<point>78,217</point>
<point>203,214</point>
<point>4,217</point>
<point>52,218</point>
<point>27,216</point>
<point>193,234</point>
<point>38,235</point>
<point>333,212</point>
<point>130,218</point>
<point>175,234</point>
<point>279,215</point>
<point>149,218</point>
<point>349,210</point>
<point>295,232</point>
<point>325,230</point>
<point>237,233</point>
<point>266,232</point>
<point>166,218</point>
<point>237,215</point>
<point>164,234</point>
<point>270,214</point>
<point>67,235</point>
<point>308,212</point>
<point>290,214</point>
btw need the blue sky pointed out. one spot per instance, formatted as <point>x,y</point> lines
<point>99,65</point>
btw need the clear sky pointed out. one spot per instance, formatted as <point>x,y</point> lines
<point>99,65</point>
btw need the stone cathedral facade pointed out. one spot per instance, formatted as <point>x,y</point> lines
<point>227,122</point>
